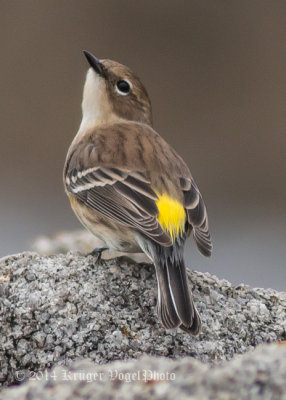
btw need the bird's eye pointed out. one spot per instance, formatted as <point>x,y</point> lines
<point>123,87</point>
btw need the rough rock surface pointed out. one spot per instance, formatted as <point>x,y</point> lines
<point>256,375</point>
<point>58,309</point>
<point>61,308</point>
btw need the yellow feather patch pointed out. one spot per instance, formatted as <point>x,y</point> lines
<point>172,215</point>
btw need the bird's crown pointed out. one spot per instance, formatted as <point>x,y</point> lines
<point>112,91</point>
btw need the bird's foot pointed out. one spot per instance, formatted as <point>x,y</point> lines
<point>97,253</point>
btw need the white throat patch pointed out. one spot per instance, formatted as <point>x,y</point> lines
<point>96,109</point>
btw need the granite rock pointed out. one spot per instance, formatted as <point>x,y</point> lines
<point>62,308</point>
<point>257,375</point>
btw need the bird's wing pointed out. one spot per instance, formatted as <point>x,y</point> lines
<point>126,194</point>
<point>121,195</point>
<point>197,215</point>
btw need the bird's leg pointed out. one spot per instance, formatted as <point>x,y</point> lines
<point>96,253</point>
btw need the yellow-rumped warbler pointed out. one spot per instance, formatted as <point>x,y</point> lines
<point>132,190</point>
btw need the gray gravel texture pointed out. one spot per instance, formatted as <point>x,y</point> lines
<point>62,308</point>
<point>260,374</point>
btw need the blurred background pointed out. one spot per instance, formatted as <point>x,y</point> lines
<point>216,75</point>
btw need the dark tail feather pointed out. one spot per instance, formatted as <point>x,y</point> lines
<point>175,303</point>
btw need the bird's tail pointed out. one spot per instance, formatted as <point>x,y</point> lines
<point>175,304</point>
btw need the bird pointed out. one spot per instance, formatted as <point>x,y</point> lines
<point>132,190</point>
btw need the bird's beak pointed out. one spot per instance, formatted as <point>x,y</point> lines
<point>94,63</point>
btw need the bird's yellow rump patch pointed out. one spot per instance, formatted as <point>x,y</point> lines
<point>172,215</point>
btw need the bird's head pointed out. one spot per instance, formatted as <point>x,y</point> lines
<point>113,92</point>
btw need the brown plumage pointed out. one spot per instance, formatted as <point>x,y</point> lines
<point>121,177</point>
